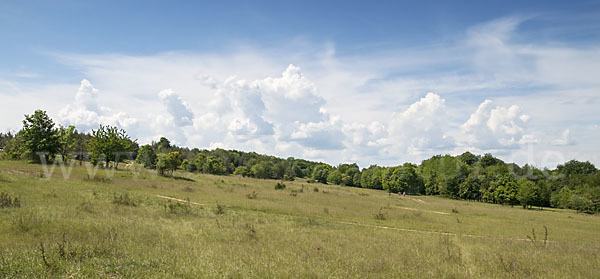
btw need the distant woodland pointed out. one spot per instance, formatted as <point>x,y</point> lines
<point>485,178</point>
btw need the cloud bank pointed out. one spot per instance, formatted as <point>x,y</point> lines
<point>486,92</point>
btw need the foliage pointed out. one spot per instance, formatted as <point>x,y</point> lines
<point>7,201</point>
<point>67,137</point>
<point>39,136</point>
<point>110,144</point>
<point>402,179</point>
<point>168,163</point>
<point>573,185</point>
<point>321,172</point>
<point>147,157</point>
<point>371,177</point>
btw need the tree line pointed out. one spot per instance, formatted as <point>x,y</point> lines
<point>485,178</point>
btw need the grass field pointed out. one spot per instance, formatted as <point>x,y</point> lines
<point>236,227</point>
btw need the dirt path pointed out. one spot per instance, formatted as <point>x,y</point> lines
<point>387,227</point>
<point>418,200</point>
<point>179,200</point>
<point>414,209</point>
<point>436,232</point>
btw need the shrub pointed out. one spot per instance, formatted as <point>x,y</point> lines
<point>294,193</point>
<point>279,186</point>
<point>220,209</point>
<point>7,201</point>
<point>251,231</point>
<point>124,199</point>
<point>380,215</point>
<point>178,207</point>
<point>316,189</point>
<point>252,195</point>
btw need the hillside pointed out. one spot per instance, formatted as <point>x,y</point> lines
<point>125,226</point>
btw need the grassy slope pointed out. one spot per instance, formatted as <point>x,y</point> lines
<point>314,234</point>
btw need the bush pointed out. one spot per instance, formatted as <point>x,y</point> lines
<point>7,201</point>
<point>252,195</point>
<point>220,209</point>
<point>178,207</point>
<point>380,215</point>
<point>581,204</point>
<point>279,186</point>
<point>124,199</point>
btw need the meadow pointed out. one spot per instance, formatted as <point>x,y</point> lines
<point>135,224</point>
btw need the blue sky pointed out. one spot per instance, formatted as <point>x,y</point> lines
<point>339,81</point>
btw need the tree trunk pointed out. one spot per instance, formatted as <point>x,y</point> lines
<point>106,164</point>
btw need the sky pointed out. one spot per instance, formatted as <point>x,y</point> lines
<point>372,82</point>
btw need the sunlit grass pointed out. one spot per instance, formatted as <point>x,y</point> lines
<point>120,227</point>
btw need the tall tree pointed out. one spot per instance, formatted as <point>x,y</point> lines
<point>66,139</point>
<point>39,135</point>
<point>147,157</point>
<point>110,144</point>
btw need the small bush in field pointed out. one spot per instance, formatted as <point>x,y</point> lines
<point>220,209</point>
<point>294,193</point>
<point>279,186</point>
<point>316,189</point>
<point>7,201</point>
<point>124,199</point>
<point>380,215</point>
<point>178,207</point>
<point>252,195</point>
<point>251,231</point>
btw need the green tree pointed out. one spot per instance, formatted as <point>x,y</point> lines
<point>527,192</point>
<point>80,146</point>
<point>168,163</point>
<point>147,157</point>
<point>39,136</point>
<point>67,137</point>
<point>213,165</point>
<point>242,170</point>
<point>14,148</point>
<point>371,177</point>
<point>402,179</point>
<point>321,172</point>
<point>334,177</point>
<point>163,145</point>
<point>470,188</point>
<point>110,144</point>
<point>506,190</point>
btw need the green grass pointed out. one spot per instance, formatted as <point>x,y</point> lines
<point>236,227</point>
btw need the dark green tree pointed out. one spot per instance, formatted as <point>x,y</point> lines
<point>147,157</point>
<point>110,144</point>
<point>39,136</point>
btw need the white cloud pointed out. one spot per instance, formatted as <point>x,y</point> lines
<point>497,127</point>
<point>176,107</point>
<point>86,114</point>
<point>370,107</point>
<point>564,139</point>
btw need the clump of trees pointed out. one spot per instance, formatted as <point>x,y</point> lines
<point>485,178</point>
<point>110,144</point>
<point>41,140</point>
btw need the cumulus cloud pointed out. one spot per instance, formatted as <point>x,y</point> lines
<point>564,139</point>
<point>420,128</point>
<point>288,107</point>
<point>367,107</point>
<point>85,113</point>
<point>176,107</point>
<point>497,127</point>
